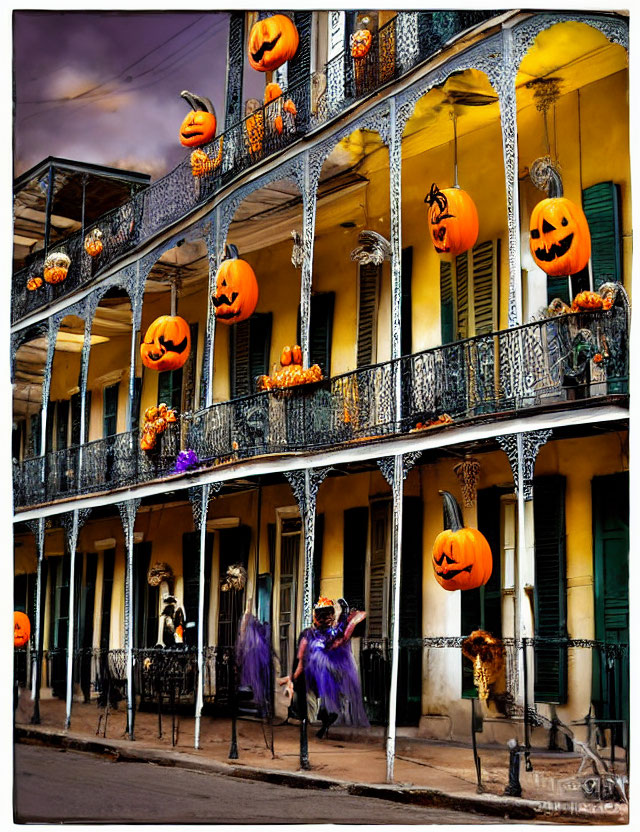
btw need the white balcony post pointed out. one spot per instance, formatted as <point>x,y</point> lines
<point>309,201</point>
<point>128,517</point>
<point>72,539</point>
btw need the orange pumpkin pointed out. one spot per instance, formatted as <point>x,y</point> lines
<point>166,344</point>
<point>560,241</point>
<point>296,354</point>
<point>587,300</point>
<point>236,289</point>
<point>21,629</point>
<point>56,267</point>
<point>272,42</point>
<point>199,126</point>
<point>285,357</point>
<point>360,43</point>
<point>93,242</point>
<point>453,220</point>
<point>34,283</point>
<point>461,556</point>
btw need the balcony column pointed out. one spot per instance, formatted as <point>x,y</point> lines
<point>128,511</point>
<point>505,85</point>
<point>395,196</point>
<point>522,451</point>
<point>199,497</point>
<point>304,485</point>
<point>137,298</point>
<point>309,187</point>
<point>72,523</point>
<point>395,469</point>
<point>38,528</point>
<point>214,252</point>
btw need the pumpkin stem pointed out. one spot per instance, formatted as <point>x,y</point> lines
<point>231,252</point>
<point>452,511</point>
<point>545,176</point>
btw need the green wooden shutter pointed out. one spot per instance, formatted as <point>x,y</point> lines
<point>485,258</point>
<point>107,591</point>
<point>406,328</point>
<point>137,395</point>
<point>377,569</point>
<point>320,330</point>
<point>446,302</point>
<point>250,346</point>
<point>369,282</point>
<point>170,388</point>
<point>462,296</point>
<point>410,657</point>
<point>481,608</point>
<point>558,287</point>
<point>317,555</point>
<point>191,583</point>
<point>189,374</point>
<point>110,409</point>
<point>601,206</point>
<point>550,588</point>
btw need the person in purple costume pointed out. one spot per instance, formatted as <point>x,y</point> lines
<point>324,653</point>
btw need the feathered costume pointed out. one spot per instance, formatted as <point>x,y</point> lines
<point>329,667</point>
<point>253,658</point>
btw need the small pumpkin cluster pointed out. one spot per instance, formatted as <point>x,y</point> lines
<point>291,372</point>
<point>444,419</point>
<point>156,420</point>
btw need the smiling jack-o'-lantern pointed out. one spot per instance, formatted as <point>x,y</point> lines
<point>236,289</point>
<point>272,42</point>
<point>560,240</point>
<point>167,343</point>
<point>461,556</point>
<point>199,126</point>
<point>453,220</point>
<point>21,629</point>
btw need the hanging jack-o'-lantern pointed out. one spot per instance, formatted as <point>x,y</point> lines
<point>56,267</point>
<point>236,289</point>
<point>21,629</point>
<point>559,237</point>
<point>272,42</point>
<point>453,220</point>
<point>461,556</point>
<point>166,344</point>
<point>93,242</point>
<point>360,42</point>
<point>34,283</point>
<point>199,126</point>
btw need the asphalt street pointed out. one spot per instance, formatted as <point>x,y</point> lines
<point>52,785</point>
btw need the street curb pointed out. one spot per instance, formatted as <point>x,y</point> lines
<point>487,804</point>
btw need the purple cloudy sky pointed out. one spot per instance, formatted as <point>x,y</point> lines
<point>105,87</point>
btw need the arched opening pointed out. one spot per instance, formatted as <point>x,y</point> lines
<point>572,98</point>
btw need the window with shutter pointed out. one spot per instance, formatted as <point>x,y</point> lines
<point>135,409</point>
<point>35,429</point>
<point>446,301</point>
<point>170,388</point>
<point>249,353</point>
<point>189,374</point>
<point>110,410</point>
<point>368,288</point>
<point>107,591</point>
<point>410,657</point>
<point>320,330</point>
<point>75,419</point>
<point>147,599</point>
<point>406,327</point>
<point>550,588</point>
<point>62,424</point>
<point>377,595</point>
<point>191,583</point>
<point>317,555</point>
<point>354,559</point>
<point>485,258</point>
<point>462,296</point>
<point>601,206</point>
<point>481,608</point>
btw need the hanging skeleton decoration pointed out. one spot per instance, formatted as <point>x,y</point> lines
<point>487,655</point>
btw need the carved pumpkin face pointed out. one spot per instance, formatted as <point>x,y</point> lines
<point>360,43</point>
<point>560,241</point>
<point>461,557</point>
<point>453,220</point>
<point>272,42</point>
<point>167,343</point>
<point>21,629</point>
<point>198,128</point>
<point>236,290</point>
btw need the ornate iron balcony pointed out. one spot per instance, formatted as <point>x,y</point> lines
<point>549,363</point>
<point>268,130</point>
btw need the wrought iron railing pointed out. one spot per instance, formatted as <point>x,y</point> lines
<point>269,129</point>
<point>570,358</point>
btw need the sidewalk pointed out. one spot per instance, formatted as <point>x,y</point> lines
<point>426,772</point>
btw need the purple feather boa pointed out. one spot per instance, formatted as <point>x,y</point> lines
<point>253,657</point>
